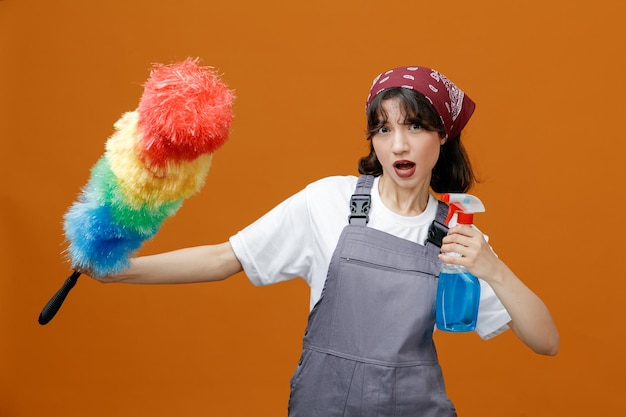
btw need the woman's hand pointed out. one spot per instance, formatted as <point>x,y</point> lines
<point>476,254</point>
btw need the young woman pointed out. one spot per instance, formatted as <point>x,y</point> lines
<point>361,244</point>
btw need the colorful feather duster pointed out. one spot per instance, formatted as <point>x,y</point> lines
<point>158,156</point>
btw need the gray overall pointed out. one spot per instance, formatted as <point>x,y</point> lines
<point>368,348</point>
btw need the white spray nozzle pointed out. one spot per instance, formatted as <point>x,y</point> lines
<point>464,203</point>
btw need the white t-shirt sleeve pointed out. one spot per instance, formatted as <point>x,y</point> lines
<point>281,250</point>
<point>493,318</point>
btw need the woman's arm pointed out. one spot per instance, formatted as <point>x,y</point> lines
<point>531,319</point>
<point>195,264</point>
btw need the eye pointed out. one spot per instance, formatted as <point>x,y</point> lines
<point>383,129</point>
<point>415,126</point>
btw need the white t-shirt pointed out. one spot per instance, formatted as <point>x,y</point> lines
<point>298,237</point>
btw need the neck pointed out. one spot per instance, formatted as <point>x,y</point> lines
<point>405,201</point>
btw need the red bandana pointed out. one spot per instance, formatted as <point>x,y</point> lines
<point>453,106</point>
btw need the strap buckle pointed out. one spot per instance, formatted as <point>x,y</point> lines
<point>360,208</point>
<point>436,232</point>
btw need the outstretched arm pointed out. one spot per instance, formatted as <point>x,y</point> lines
<point>194,264</point>
<point>531,319</point>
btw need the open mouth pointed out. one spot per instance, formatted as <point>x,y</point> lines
<point>404,165</point>
<point>404,169</point>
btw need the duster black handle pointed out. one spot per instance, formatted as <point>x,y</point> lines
<point>51,308</point>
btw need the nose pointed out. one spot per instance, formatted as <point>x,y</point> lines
<point>399,143</point>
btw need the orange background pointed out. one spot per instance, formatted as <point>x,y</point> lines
<point>547,140</point>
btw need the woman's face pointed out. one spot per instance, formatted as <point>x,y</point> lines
<point>406,151</point>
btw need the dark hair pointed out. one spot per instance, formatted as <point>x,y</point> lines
<point>453,171</point>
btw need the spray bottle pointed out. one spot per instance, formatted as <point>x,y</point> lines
<point>458,291</point>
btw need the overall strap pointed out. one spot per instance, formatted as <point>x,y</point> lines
<point>361,201</point>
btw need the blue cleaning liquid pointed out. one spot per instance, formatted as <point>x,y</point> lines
<point>458,298</point>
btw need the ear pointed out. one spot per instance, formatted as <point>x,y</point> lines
<point>442,140</point>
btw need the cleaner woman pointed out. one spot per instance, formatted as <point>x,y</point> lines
<point>365,246</point>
